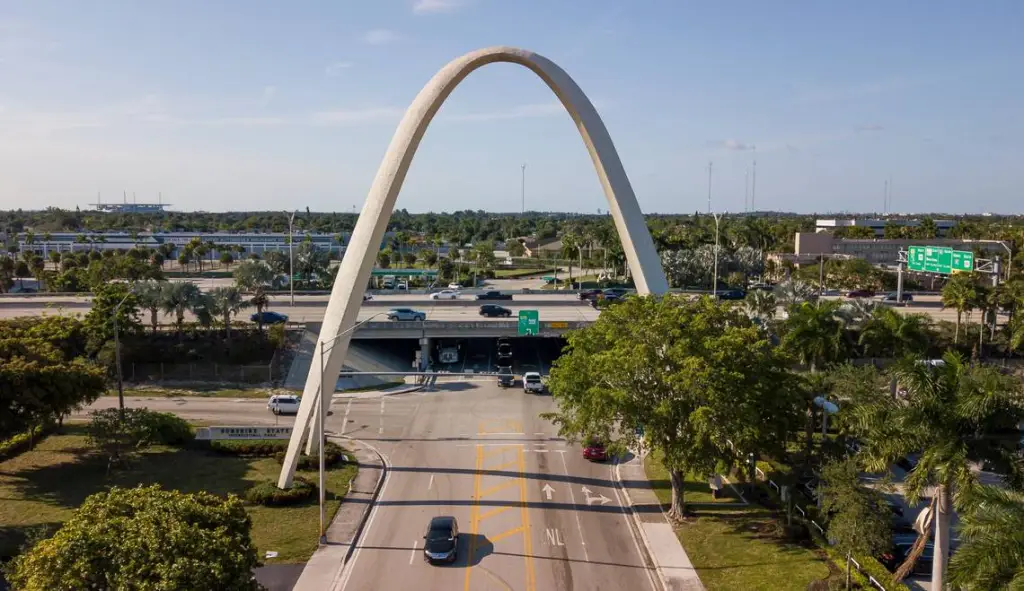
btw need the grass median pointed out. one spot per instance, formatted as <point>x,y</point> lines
<point>216,391</point>
<point>738,547</point>
<point>42,487</point>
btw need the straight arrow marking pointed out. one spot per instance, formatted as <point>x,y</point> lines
<point>548,490</point>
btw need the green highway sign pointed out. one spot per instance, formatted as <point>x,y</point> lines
<point>529,323</point>
<point>939,259</point>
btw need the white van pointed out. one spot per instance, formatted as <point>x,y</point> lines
<point>284,404</point>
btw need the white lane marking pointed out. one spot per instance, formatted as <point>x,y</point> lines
<point>572,497</point>
<point>554,536</point>
<point>548,490</point>
<point>381,406</point>
<point>613,474</point>
<point>538,433</point>
<point>488,444</point>
<point>501,433</point>
<point>412,555</point>
<point>430,484</point>
<point>344,424</point>
<point>349,567</point>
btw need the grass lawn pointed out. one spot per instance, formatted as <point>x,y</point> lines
<point>196,390</point>
<point>739,547</point>
<point>45,485</point>
<point>513,273</point>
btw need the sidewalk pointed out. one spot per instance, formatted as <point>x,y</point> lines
<point>324,569</point>
<point>673,565</point>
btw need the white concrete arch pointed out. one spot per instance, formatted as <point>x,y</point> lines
<point>357,264</point>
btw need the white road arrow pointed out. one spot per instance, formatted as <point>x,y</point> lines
<point>590,500</point>
<point>548,490</point>
<point>586,491</point>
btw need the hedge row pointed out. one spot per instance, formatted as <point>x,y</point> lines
<point>266,493</point>
<point>276,448</point>
<point>21,442</point>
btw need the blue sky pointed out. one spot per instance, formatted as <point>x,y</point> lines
<point>246,104</point>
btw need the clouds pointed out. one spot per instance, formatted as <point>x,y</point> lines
<point>733,145</point>
<point>337,69</point>
<point>436,6</point>
<point>380,36</point>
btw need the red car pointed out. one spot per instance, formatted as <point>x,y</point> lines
<point>595,452</point>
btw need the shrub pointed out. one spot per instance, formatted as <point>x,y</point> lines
<point>168,429</point>
<point>252,448</point>
<point>25,441</point>
<point>266,493</point>
<point>333,453</point>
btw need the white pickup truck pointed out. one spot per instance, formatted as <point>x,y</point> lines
<point>532,382</point>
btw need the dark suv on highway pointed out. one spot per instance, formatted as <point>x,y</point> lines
<point>506,379</point>
<point>495,311</point>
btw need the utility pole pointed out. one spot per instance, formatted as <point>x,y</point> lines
<point>291,258</point>
<point>753,183</point>
<point>746,190</point>
<point>522,188</point>
<point>710,164</point>
<point>885,198</point>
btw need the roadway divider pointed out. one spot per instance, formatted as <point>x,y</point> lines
<point>471,303</point>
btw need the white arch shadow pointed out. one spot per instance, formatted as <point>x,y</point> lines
<point>357,264</point>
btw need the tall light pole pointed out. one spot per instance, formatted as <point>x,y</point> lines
<point>117,352</point>
<point>522,188</point>
<point>714,280</point>
<point>746,190</point>
<point>710,164</point>
<point>291,261</point>
<point>753,182</point>
<point>323,402</point>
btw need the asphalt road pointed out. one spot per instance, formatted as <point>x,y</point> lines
<point>533,514</point>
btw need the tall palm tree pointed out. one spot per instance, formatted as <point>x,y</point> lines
<point>888,333</point>
<point>226,302</point>
<point>150,295</point>
<point>256,278</point>
<point>952,414</point>
<point>991,551</point>
<point>180,297</point>
<point>790,293</point>
<point>760,304</point>
<point>959,294</point>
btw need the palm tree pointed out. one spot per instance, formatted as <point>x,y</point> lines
<point>790,293</point>
<point>888,333</point>
<point>951,414</point>
<point>180,297</point>
<point>959,293</point>
<point>150,295</point>
<point>226,302</point>
<point>760,304</point>
<point>991,551</point>
<point>256,278</point>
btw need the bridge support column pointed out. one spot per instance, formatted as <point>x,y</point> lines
<point>425,343</point>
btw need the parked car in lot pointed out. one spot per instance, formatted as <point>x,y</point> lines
<point>269,317</point>
<point>283,404</point>
<point>505,377</point>
<point>493,295</point>
<point>441,542</point>
<point>406,314</point>
<point>861,293</point>
<point>594,451</point>
<point>495,311</point>
<point>732,294</point>
<point>445,294</point>
<point>890,298</point>
<point>532,382</point>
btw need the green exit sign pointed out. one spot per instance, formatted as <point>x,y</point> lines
<point>529,323</point>
<point>939,259</point>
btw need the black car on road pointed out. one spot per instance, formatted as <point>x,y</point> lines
<point>493,295</point>
<point>732,294</point>
<point>495,311</point>
<point>441,542</point>
<point>506,379</point>
<point>588,295</point>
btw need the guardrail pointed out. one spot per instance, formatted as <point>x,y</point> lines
<point>399,325</point>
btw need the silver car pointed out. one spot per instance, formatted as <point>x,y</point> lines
<point>407,314</point>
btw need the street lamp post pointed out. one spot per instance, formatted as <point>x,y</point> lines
<point>291,259</point>
<point>324,349</point>
<point>714,280</point>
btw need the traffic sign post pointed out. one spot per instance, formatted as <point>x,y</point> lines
<point>529,323</point>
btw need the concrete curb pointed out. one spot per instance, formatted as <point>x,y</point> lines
<point>384,394</point>
<point>637,527</point>
<point>370,507</point>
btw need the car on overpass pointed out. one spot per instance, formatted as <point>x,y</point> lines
<point>406,314</point>
<point>445,294</point>
<point>267,317</point>
<point>495,311</point>
<point>493,295</point>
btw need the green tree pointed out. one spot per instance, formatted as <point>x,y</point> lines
<point>858,523</point>
<point>256,278</point>
<point>516,248</point>
<point>952,415</point>
<point>384,259</point>
<point>960,294</point>
<point>888,333</point>
<point>150,296</point>
<point>179,297</point>
<point>761,305</point>
<point>145,538</point>
<point>226,258</point>
<point>991,551</point>
<point>701,380</point>
<point>225,302</point>
<point>814,334</point>
<point>99,321</point>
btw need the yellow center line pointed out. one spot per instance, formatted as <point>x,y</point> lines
<point>474,514</point>
<point>505,466</point>
<point>506,534</point>
<point>531,576</point>
<point>501,450</point>
<point>499,487</point>
<point>493,512</point>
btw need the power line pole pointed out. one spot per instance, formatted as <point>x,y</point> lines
<point>753,183</point>
<point>710,164</point>
<point>746,189</point>
<point>885,198</point>
<point>522,188</point>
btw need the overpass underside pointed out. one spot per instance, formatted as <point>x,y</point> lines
<point>481,329</point>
